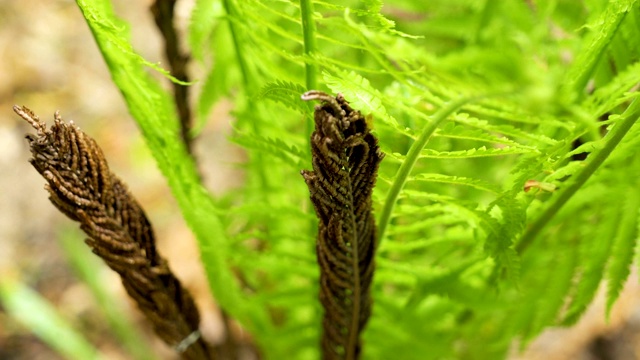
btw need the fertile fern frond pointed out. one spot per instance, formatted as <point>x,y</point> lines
<point>83,188</point>
<point>345,162</point>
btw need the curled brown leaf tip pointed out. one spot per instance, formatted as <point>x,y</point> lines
<point>345,158</point>
<point>81,185</point>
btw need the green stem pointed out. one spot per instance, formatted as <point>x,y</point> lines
<point>627,119</point>
<point>311,69</point>
<point>585,64</point>
<point>242,62</point>
<point>231,11</point>
<point>410,161</point>
<point>309,33</point>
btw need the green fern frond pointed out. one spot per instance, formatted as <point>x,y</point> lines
<point>505,130</point>
<point>419,228</point>
<point>457,234</point>
<point>273,213</point>
<point>115,32</point>
<point>480,152</point>
<point>468,210</point>
<point>595,249</point>
<point>472,153</point>
<point>438,283</point>
<point>152,109</point>
<point>265,23</point>
<point>500,241</point>
<point>555,280</point>
<point>454,180</point>
<point>453,131</point>
<point>289,154</point>
<point>608,97</point>
<point>564,172</point>
<point>624,246</point>
<point>586,148</point>
<point>360,94</point>
<point>222,76</point>
<point>604,29</point>
<point>285,92</point>
<point>204,19</point>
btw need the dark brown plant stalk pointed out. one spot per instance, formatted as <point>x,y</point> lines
<point>81,185</point>
<point>163,11</point>
<point>345,157</point>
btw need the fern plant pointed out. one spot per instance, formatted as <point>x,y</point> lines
<point>471,101</point>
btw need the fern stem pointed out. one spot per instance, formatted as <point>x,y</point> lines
<point>410,161</point>
<point>230,9</point>
<point>232,12</point>
<point>585,64</point>
<point>309,33</point>
<point>627,119</point>
<point>311,69</point>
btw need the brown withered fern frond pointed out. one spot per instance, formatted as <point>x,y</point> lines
<point>81,185</point>
<point>345,157</point>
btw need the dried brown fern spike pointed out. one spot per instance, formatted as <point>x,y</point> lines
<point>345,157</point>
<point>81,185</point>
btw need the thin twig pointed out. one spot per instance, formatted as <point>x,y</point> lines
<point>311,69</point>
<point>163,13</point>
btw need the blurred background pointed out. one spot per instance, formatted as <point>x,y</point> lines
<point>49,62</point>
